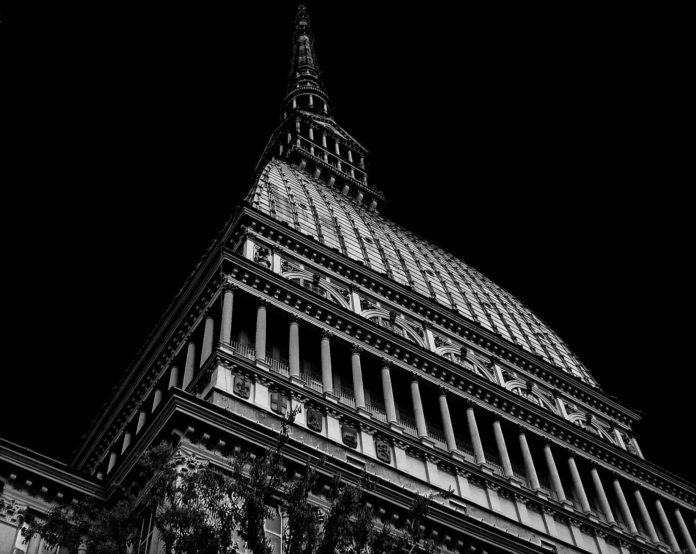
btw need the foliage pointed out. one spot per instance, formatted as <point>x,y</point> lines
<point>85,522</point>
<point>195,505</point>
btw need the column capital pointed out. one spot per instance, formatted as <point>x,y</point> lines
<point>386,363</point>
<point>442,390</point>
<point>261,301</point>
<point>294,318</point>
<point>356,349</point>
<point>470,403</point>
<point>228,283</point>
<point>415,377</point>
<point>326,334</point>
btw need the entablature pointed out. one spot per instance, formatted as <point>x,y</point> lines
<point>41,480</point>
<point>437,316</point>
<point>219,431</point>
<point>442,372</point>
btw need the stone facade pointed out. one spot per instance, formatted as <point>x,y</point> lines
<point>406,363</point>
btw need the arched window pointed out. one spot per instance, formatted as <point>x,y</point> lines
<point>334,292</point>
<point>395,324</point>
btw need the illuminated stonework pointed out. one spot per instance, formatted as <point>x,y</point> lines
<point>406,363</point>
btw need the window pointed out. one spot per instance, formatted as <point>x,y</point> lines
<point>274,533</point>
<point>142,545</point>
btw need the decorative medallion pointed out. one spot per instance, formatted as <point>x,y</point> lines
<point>242,386</point>
<point>350,436</point>
<point>314,420</point>
<point>383,451</point>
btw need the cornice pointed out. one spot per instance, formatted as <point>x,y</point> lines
<point>161,345</point>
<point>358,273</point>
<point>438,370</point>
<point>201,421</point>
<point>53,472</point>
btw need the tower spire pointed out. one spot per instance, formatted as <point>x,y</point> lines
<point>305,76</point>
<point>308,135</point>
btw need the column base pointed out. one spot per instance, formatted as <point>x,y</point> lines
<point>483,466</point>
<point>457,455</point>
<point>331,397</point>
<point>394,426</point>
<point>262,364</point>
<point>568,505</point>
<point>592,517</point>
<point>514,481</point>
<point>364,412</point>
<point>427,441</point>
<point>297,381</point>
<point>541,494</point>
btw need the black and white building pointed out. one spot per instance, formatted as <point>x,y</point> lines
<point>407,363</point>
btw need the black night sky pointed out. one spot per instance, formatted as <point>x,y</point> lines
<point>546,148</point>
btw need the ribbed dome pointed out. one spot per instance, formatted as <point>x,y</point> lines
<point>308,205</point>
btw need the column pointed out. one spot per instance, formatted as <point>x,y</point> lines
<point>294,348</point>
<point>358,389</point>
<point>474,435</point>
<point>603,500</point>
<point>388,392</point>
<point>645,515</point>
<point>418,408</point>
<point>625,510</point>
<point>326,373</point>
<point>447,422</point>
<point>529,468</point>
<point>142,417</point>
<point>502,448</point>
<point>156,399</point>
<point>126,441</point>
<point>227,306</point>
<point>173,377</point>
<point>260,343</point>
<point>666,527</point>
<point>207,347</point>
<point>189,368</point>
<point>112,462</point>
<point>577,483</point>
<point>690,546</point>
<point>553,472</point>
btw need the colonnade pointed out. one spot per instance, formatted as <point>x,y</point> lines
<point>531,477</point>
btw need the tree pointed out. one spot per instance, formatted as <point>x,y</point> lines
<point>197,505</point>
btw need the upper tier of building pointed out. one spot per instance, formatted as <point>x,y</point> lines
<point>292,196</point>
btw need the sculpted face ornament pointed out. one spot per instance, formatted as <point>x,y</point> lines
<point>262,256</point>
<point>383,451</point>
<point>242,386</point>
<point>314,420</point>
<point>350,436</point>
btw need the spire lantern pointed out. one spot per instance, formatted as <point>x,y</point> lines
<point>308,135</point>
<point>305,88</point>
